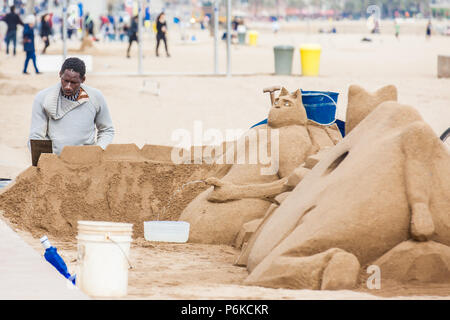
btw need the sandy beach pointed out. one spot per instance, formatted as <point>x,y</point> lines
<point>188,92</point>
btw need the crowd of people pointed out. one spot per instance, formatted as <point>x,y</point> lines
<point>110,28</point>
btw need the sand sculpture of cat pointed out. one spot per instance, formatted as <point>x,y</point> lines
<point>245,192</point>
<point>380,197</point>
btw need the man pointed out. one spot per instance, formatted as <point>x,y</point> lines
<point>28,43</point>
<point>161,32</point>
<point>132,34</point>
<point>70,112</point>
<point>12,19</point>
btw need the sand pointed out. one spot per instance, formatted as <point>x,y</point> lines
<point>143,117</point>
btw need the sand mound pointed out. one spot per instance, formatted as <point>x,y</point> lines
<point>119,184</point>
<point>385,184</point>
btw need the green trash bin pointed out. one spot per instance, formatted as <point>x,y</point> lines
<point>283,59</point>
<point>241,37</point>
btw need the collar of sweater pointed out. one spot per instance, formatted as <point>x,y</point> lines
<point>54,107</point>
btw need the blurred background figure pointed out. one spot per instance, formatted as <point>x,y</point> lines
<point>275,25</point>
<point>132,33</point>
<point>429,29</point>
<point>121,28</point>
<point>46,31</point>
<point>397,28</point>
<point>71,25</point>
<point>89,25</point>
<point>28,43</point>
<point>12,19</point>
<point>161,32</point>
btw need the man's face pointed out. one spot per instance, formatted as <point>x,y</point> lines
<point>70,82</point>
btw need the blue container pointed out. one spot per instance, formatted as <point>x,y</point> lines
<point>320,107</point>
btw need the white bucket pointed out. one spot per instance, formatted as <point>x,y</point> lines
<point>103,251</point>
<point>166,231</point>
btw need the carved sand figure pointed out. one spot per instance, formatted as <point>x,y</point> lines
<point>246,191</point>
<point>381,196</point>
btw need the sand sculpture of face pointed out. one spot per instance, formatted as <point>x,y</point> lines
<point>287,110</point>
<point>379,197</point>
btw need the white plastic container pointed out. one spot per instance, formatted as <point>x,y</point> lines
<point>103,258</point>
<point>166,231</point>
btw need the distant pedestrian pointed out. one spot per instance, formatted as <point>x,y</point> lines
<point>46,31</point>
<point>121,28</point>
<point>89,25</point>
<point>429,29</point>
<point>161,33</point>
<point>132,34</point>
<point>12,19</point>
<point>397,29</point>
<point>28,43</point>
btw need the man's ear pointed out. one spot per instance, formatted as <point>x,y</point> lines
<point>83,79</point>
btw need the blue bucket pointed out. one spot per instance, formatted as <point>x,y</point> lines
<point>320,107</point>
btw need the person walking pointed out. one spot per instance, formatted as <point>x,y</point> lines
<point>397,29</point>
<point>46,31</point>
<point>429,29</point>
<point>161,33</point>
<point>89,26</point>
<point>28,43</point>
<point>12,19</point>
<point>132,34</point>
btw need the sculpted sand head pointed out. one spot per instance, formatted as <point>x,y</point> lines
<point>362,102</point>
<point>287,110</point>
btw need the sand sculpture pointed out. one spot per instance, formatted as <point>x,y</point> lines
<point>246,191</point>
<point>122,183</point>
<point>380,197</point>
<point>334,206</point>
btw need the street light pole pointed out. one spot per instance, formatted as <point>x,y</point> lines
<point>140,22</point>
<point>64,29</point>
<point>216,31</point>
<point>228,38</point>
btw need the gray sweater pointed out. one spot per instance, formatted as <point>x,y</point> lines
<point>71,123</point>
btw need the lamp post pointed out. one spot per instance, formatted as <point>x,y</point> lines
<point>140,22</point>
<point>216,31</point>
<point>228,38</point>
<point>64,29</point>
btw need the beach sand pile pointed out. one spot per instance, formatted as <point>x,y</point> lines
<point>121,184</point>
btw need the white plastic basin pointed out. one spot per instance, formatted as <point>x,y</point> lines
<point>166,231</point>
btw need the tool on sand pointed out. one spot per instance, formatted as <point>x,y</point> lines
<point>445,137</point>
<point>38,147</point>
<point>271,90</point>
